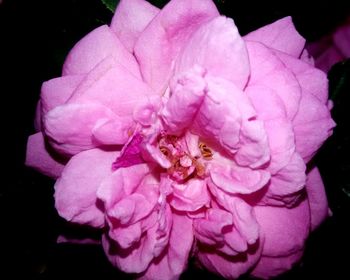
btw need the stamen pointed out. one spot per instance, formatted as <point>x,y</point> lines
<point>205,151</point>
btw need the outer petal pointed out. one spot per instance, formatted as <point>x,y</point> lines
<point>75,190</point>
<point>231,267</point>
<point>220,37</point>
<point>269,267</point>
<point>173,262</point>
<point>57,91</point>
<point>312,113</point>
<point>130,19</point>
<point>317,198</point>
<point>39,158</point>
<point>280,35</point>
<point>285,230</point>
<point>114,86</point>
<point>269,71</point>
<point>169,31</point>
<point>95,47</point>
<point>70,127</point>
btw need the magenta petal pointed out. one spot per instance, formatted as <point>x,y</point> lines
<point>69,127</point>
<point>75,190</point>
<point>173,262</point>
<point>269,267</point>
<point>162,40</point>
<point>219,36</point>
<point>39,158</point>
<point>288,235</point>
<point>130,19</point>
<point>95,47</point>
<point>317,198</point>
<point>280,35</point>
<point>57,91</point>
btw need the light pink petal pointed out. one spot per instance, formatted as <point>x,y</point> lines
<point>312,114</point>
<point>114,86</point>
<point>95,47</point>
<point>41,159</point>
<point>57,91</point>
<point>312,80</point>
<point>125,236</point>
<point>75,190</point>
<point>190,196</point>
<point>269,267</point>
<point>280,35</point>
<point>238,180</point>
<point>187,94</point>
<point>285,229</point>
<point>317,198</point>
<point>162,40</point>
<point>263,97</point>
<point>230,267</point>
<point>173,262</point>
<point>123,182</point>
<point>285,186</point>
<point>70,126</point>
<point>269,71</point>
<point>281,141</point>
<point>130,19</point>
<point>220,37</point>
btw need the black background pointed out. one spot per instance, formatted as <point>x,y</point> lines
<point>35,36</point>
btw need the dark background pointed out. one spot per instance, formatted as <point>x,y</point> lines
<point>35,36</point>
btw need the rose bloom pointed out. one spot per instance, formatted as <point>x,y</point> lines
<point>179,138</point>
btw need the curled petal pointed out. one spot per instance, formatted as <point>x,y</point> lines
<point>130,19</point>
<point>75,190</point>
<point>280,35</point>
<point>41,159</point>
<point>95,47</point>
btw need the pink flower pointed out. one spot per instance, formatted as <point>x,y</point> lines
<point>332,48</point>
<point>184,139</point>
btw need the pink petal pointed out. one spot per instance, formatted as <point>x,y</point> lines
<point>280,35</point>
<point>187,94</point>
<point>312,114</point>
<point>312,80</point>
<point>285,186</point>
<point>95,47</point>
<point>75,190</point>
<point>57,91</point>
<point>239,180</point>
<point>268,70</point>
<point>173,262</point>
<point>130,19</point>
<point>285,229</point>
<point>38,117</point>
<point>230,267</point>
<point>190,196</point>
<point>39,158</point>
<point>70,127</point>
<point>162,40</point>
<point>219,36</point>
<point>341,40</point>
<point>269,267</point>
<point>317,198</point>
<point>114,86</point>
<point>122,182</point>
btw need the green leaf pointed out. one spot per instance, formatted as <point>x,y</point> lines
<point>110,4</point>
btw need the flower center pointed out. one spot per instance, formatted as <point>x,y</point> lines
<point>184,164</point>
